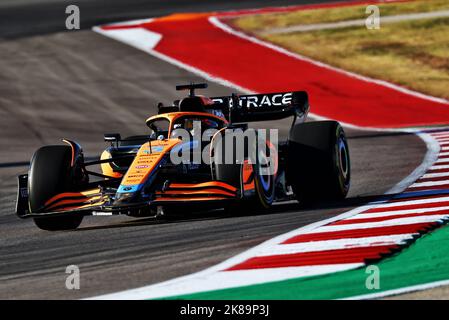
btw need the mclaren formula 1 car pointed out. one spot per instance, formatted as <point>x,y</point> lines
<point>188,160</point>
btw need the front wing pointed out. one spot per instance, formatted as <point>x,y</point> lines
<point>97,201</point>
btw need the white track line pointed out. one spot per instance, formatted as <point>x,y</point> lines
<point>440,134</point>
<point>413,202</point>
<point>433,149</point>
<point>139,38</point>
<point>316,246</point>
<point>387,223</point>
<point>397,213</point>
<point>429,183</point>
<point>437,167</point>
<point>131,22</point>
<point>435,175</point>
<point>418,287</point>
<point>224,280</point>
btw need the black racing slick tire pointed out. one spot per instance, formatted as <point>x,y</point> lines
<point>49,175</point>
<point>318,164</point>
<point>232,174</point>
<point>59,223</point>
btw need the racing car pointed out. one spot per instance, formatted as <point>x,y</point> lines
<point>156,173</point>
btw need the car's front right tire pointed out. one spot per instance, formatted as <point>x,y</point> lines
<point>69,221</point>
<point>50,175</point>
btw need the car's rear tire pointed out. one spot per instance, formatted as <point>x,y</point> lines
<point>318,164</point>
<point>50,175</point>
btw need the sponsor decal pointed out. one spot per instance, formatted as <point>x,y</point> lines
<point>258,101</point>
<point>135,176</point>
<point>262,100</point>
<point>157,149</point>
<point>153,149</point>
<point>144,161</point>
<point>142,166</point>
<point>132,180</point>
<point>129,188</point>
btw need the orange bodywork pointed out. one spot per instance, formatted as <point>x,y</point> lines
<point>106,168</point>
<point>74,200</point>
<point>213,190</point>
<point>147,158</point>
<point>210,184</point>
<point>188,199</point>
<point>248,176</point>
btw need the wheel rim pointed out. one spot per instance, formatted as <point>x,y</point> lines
<point>264,179</point>
<point>343,157</point>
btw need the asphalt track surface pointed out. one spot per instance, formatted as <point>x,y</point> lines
<point>79,85</point>
<point>20,18</point>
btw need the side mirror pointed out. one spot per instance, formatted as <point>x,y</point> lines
<point>112,137</point>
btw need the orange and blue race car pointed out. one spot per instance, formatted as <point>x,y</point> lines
<point>199,154</point>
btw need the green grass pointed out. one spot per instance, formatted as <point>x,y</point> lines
<point>424,261</point>
<point>261,22</point>
<point>413,54</point>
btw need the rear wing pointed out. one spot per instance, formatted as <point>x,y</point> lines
<point>262,107</point>
<point>243,108</point>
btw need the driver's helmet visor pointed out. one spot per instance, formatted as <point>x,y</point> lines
<point>192,123</point>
